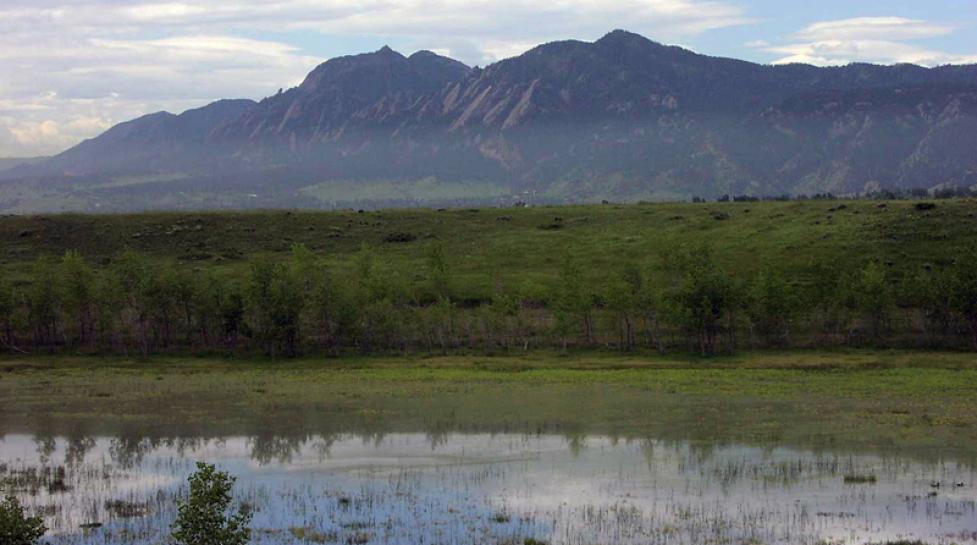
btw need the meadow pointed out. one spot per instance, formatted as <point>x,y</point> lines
<point>705,277</point>
<point>520,246</point>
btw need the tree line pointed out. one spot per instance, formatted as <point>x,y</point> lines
<point>884,194</point>
<point>293,304</point>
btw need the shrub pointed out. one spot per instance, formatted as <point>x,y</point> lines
<point>203,518</point>
<point>15,527</point>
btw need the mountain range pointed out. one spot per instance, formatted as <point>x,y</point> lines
<point>623,118</point>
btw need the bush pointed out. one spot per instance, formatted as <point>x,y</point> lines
<point>203,518</point>
<point>15,527</point>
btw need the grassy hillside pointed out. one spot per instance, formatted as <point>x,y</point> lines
<point>522,246</point>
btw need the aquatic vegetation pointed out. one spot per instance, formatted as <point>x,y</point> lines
<point>203,517</point>
<point>860,479</point>
<point>310,535</point>
<point>16,528</point>
<point>504,489</point>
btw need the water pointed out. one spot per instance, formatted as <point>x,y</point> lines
<point>408,488</point>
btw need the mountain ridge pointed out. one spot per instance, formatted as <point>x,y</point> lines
<point>623,117</point>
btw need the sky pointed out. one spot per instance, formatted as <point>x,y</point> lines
<point>69,69</point>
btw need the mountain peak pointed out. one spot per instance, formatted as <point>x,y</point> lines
<point>623,36</point>
<point>424,53</point>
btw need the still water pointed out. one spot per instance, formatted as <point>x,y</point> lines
<point>495,489</point>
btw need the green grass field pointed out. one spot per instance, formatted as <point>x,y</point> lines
<point>918,402</point>
<point>522,247</point>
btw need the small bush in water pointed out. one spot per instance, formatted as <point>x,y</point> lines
<point>203,518</point>
<point>15,527</point>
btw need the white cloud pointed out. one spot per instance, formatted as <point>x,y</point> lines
<point>110,60</point>
<point>884,40</point>
<point>877,28</point>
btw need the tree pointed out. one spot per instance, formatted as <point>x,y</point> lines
<point>627,300</point>
<point>78,295</point>
<point>439,276</point>
<point>319,292</point>
<point>184,285</point>
<point>573,302</point>
<point>503,318</point>
<point>131,273</point>
<point>770,307</point>
<point>276,302</point>
<point>219,309</point>
<point>204,518</point>
<point>873,298</point>
<point>441,315</point>
<point>16,528</point>
<point>160,294</point>
<point>963,287</point>
<point>375,299</point>
<point>933,293</point>
<point>826,300</point>
<point>8,308</point>
<point>44,302</point>
<point>704,299</point>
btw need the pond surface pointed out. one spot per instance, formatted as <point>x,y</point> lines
<point>409,488</point>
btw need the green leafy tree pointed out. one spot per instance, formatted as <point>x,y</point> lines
<point>376,298</point>
<point>184,285</point>
<point>962,285</point>
<point>78,295</point>
<point>704,300</point>
<point>8,310</point>
<point>319,292</point>
<point>16,528</point>
<point>933,293</point>
<point>441,323</point>
<point>438,273</point>
<point>204,518</point>
<point>825,299</point>
<point>276,301</point>
<point>874,299</point>
<point>627,301</point>
<point>219,308</point>
<point>441,316</point>
<point>771,305</point>
<point>131,274</point>
<point>573,301</point>
<point>44,301</point>
<point>503,318</point>
<point>160,300</point>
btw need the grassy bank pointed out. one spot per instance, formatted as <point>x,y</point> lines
<point>910,401</point>
<point>522,246</point>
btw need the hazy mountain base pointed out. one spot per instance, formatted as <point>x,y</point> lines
<point>177,191</point>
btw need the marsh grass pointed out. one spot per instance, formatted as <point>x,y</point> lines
<point>870,399</point>
<point>860,479</point>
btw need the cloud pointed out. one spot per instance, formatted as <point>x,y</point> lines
<point>884,40</point>
<point>873,28</point>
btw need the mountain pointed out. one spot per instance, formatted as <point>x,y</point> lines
<point>151,143</point>
<point>622,118</point>
<point>7,163</point>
